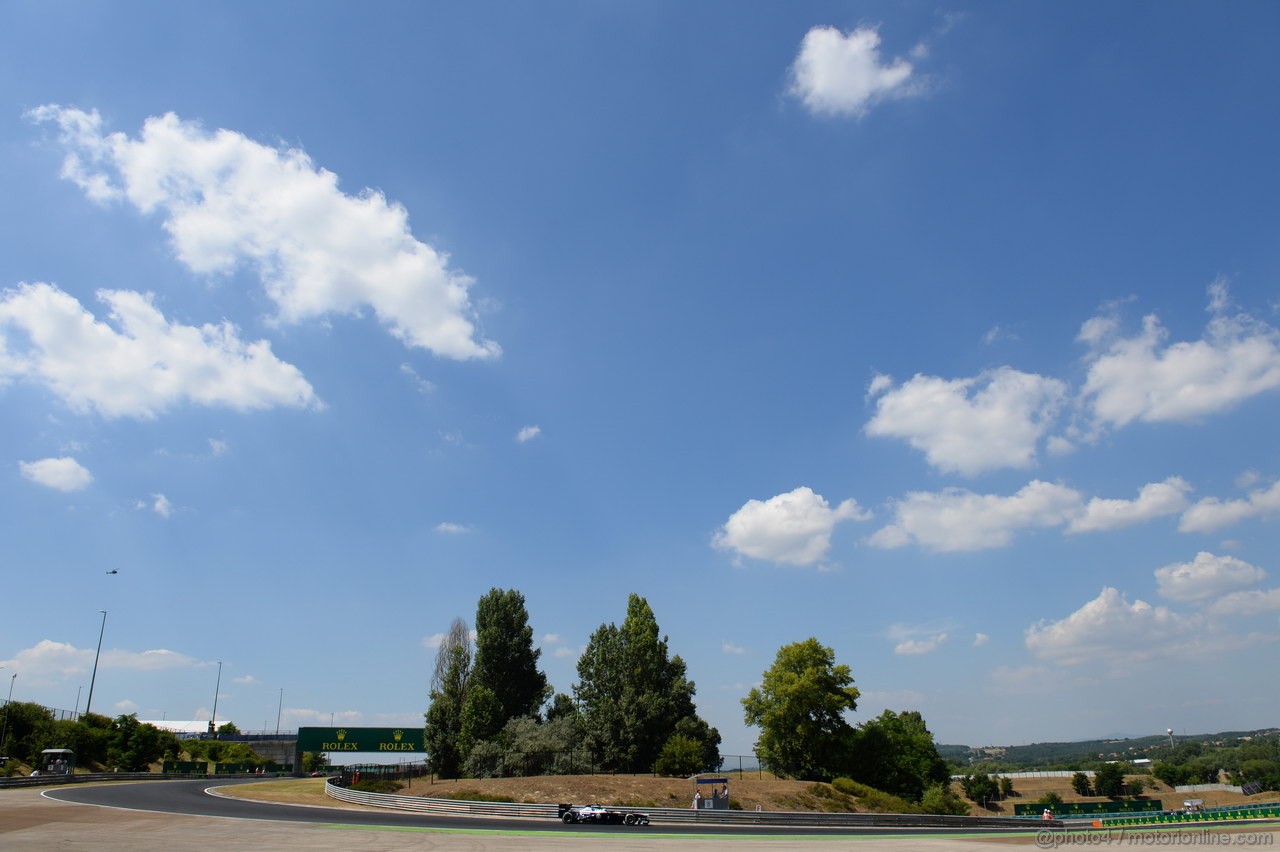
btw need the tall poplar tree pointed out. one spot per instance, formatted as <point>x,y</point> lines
<point>506,661</point>
<point>449,684</point>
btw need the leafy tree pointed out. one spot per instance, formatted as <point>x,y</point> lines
<point>1081,784</point>
<point>481,717</point>
<point>1108,780</point>
<point>27,725</point>
<point>896,753</point>
<point>799,708</point>
<point>560,707</point>
<point>632,694</point>
<point>1169,773</point>
<point>681,756</point>
<point>528,747</point>
<point>708,738</point>
<point>1136,786</point>
<point>941,799</point>
<point>506,661</point>
<point>980,788</point>
<point>314,761</point>
<point>1050,800</point>
<point>1006,786</point>
<point>448,697</point>
<point>228,728</point>
<point>135,746</point>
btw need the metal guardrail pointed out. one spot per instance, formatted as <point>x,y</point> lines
<point>687,816</point>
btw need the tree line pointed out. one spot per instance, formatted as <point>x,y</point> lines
<point>492,711</point>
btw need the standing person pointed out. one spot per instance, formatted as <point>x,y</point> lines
<point>697,799</point>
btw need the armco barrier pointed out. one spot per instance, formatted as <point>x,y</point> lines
<point>453,807</point>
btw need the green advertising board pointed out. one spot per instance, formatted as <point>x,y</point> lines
<point>383,740</point>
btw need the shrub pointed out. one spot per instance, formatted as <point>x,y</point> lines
<point>872,799</point>
<point>941,799</point>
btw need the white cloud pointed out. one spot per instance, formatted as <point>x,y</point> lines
<point>730,648</point>
<point>793,528</point>
<point>125,706</point>
<point>1207,576</point>
<point>911,647</point>
<point>956,519</point>
<point>424,387</point>
<point>450,528</point>
<point>218,447</point>
<point>433,641</point>
<point>161,505</point>
<point>839,73</point>
<point>61,660</point>
<point>144,367</point>
<point>565,652</point>
<point>227,200</point>
<point>980,639</point>
<point>1146,379</point>
<point>528,433</point>
<point>552,639</point>
<point>1156,499</point>
<point>968,426</point>
<point>245,679</point>
<point>1212,514</point>
<point>63,474</point>
<point>1109,630</point>
<point>1247,603</point>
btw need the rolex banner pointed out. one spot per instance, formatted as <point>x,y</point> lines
<point>360,739</point>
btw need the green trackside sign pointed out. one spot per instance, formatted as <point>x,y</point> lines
<point>385,740</point>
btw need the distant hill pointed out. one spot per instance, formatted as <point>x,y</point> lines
<point>1065,755</point>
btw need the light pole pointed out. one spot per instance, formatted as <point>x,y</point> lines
<point>1170,737</point>
<point>279,710</point>
<point>4,733</point>
<point>214,721</point>
<point>79,689</point>
<point>103,629</point>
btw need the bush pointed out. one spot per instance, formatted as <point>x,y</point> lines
<point>1050,800</point>
<point>941,799</point>
<point>378,785</point>
<point>872,799</point>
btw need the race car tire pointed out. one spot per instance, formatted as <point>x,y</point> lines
<point>629,819</point>
<point>569,818</point>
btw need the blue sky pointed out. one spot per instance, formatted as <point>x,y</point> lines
<point>945,334</point>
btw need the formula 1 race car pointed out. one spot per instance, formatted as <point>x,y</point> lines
<point>601,815</point>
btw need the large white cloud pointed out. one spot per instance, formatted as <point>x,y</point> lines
<point>956,519</point>
<point>48,660</point>
<point>1212,514</point>
<point>227,200</point>
<point>1109,630</point>
<point>64,474</point>
<point>793,528</point>
<point>1207,576</point>
<point>1254,602</point>
<point>968,426</point>
<point>144,364</point>
<point>839,73</point>
<point>1144,378</point>
<point>1156,499</point>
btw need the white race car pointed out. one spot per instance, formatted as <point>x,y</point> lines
<point>602,815</point>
